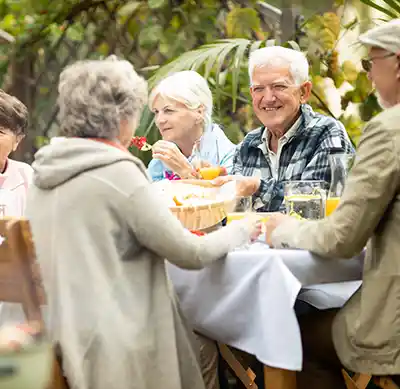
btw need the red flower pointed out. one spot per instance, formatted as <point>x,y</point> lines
<point>198,233</point>
<point>140,142</point>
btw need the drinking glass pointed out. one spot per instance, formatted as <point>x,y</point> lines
<point>206,160</point>
<point>340,166</point>
<point>244,204</point>
<point>305,199</point>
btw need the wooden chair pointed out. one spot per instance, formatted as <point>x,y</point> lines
<point>20,280</point>
<point>274,378</point>
<point>244,374</point>
<point>361,381</point>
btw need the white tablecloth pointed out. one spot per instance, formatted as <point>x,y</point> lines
<point>246,301</point>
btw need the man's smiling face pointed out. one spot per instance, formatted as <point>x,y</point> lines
<point>276,97</point>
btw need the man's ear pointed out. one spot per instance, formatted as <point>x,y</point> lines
<point>305,92</point>
<point>251,92</point>
<point>17,141</point>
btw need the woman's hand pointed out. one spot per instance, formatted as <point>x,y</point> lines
<point>257,231</point>
<point>245,186</point>
<point>171,156</point>
<point>255,224</point>
<point>274,220</point>
<point>14,337</point>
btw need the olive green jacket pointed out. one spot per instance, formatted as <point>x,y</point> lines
<point>366,331</point>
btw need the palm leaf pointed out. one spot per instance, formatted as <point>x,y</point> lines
<point>236,69</point>
<point>146,123</point>
<point>219,63</point>
<point>195,58</point>
<point>293,45</point>
<point>212,56</point>
<point>209,65</point>
<point>255,46</point>
<point>380,8</point>
<point>393,4</point>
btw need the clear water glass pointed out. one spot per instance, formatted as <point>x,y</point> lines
<point>305,199</point>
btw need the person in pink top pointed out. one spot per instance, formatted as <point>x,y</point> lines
<point>15,176</point>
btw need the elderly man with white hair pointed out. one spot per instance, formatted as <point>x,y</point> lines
<point>293,142</point>
<point>364,334</point>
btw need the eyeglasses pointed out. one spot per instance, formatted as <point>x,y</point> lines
<point>366,63</point>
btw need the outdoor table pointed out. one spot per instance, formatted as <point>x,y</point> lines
<point>247,300</point>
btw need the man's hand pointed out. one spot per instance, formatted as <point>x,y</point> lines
<point>274,220</point>
<point>169,153</point>
<point>245,186</point>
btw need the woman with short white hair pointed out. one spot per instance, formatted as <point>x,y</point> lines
<point>182,104</point>
<point>102,235</point>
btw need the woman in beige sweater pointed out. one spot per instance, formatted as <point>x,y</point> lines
<point>102,235</point>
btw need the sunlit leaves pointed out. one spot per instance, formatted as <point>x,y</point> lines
<point>129,8</point>
<point>353,125</point>
<point>240,22</point>
<point>349,71</point>
<point>324,30</point>
<point>150,35</point>
<point>154,4</point>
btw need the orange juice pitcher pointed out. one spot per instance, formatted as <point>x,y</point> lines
<point>340,167</point>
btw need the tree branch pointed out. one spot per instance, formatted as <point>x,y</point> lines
<point>62,16</point>
<point>322,102</point>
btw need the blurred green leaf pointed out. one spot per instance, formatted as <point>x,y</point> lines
<point>240,22</point>
<point>154,4</point>
<point>150,35</point>
<point>129,8</point>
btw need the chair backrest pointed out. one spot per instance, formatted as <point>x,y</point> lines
<point>362,381</point>
<point>20,280</point>
<point>18,284</point>
<point>245,375</point>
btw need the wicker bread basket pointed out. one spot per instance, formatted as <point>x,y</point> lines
<point>204,216</point>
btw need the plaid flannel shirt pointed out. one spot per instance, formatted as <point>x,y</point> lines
<point>303,157</point>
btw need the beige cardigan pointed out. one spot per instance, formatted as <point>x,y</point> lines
<point>366,332</point>
<point>102,234</point>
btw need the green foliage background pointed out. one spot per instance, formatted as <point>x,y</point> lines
<point>160,36</point>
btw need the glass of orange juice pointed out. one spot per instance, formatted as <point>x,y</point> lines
<point>209,173</point>
<point>207,163</point>
<point>331,204</point>
<point>340,167</point>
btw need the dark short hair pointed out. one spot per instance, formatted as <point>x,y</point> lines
<point>13,114</point>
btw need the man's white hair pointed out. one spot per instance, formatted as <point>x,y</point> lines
<point>186,87</point>
<point>278,56</point>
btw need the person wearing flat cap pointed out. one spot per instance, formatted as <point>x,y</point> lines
<point>364,335</point>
